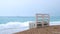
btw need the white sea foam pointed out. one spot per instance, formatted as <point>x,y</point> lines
<point>12,27</point>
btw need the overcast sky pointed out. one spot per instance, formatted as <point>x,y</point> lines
<point>29,7</point>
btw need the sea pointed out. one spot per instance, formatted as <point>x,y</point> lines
<point>13,24</point>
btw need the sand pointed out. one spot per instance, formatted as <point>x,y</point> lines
<point>44,30</point>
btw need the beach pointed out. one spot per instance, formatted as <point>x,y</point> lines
<point>10,25</point>
<point>45,30</point>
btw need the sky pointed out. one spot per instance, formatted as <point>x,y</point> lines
<point>29,7</point>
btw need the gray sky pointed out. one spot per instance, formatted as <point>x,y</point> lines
<point>29,7</point>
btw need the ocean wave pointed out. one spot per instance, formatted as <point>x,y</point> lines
<point>55,23</point>
<point>12,27</point>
